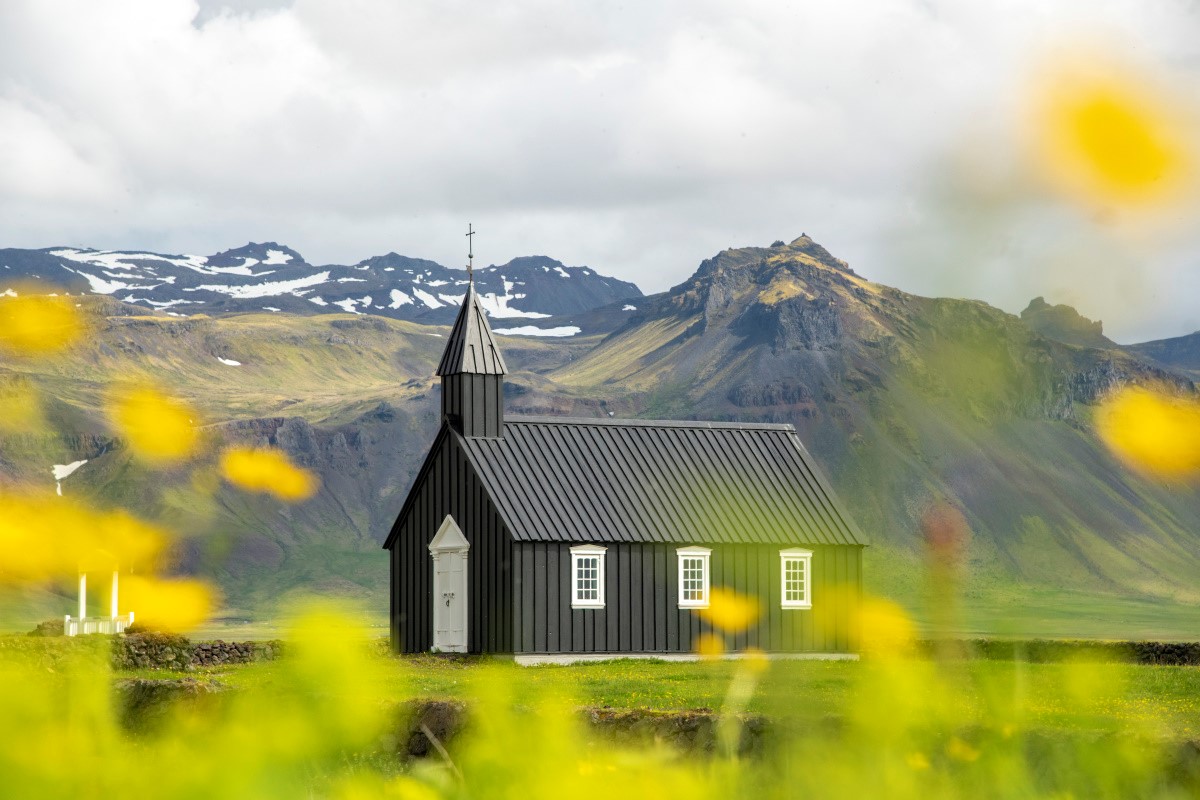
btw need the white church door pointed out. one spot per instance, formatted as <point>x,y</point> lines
<point>449,550</point>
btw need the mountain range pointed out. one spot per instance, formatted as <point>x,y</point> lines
<point>906,401</point>
<point>275,278</point>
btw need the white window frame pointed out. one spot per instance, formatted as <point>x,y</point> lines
<point>705,556</point>
<point>805,558</point>
<point>578,553</point>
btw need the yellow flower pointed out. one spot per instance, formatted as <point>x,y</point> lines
<point>43,536</point>
<point>268,471</point>
<point>158,428</point>
<point>917,761</point>
<point>176,605</point>
<point>961,751</point>
<point>1152,431</point>
<point>729,611</point>
<point>886,629</point>
<point>709,644</point>
<point>1105,137</point>
<point>755,661</point>
<point>38,324</point>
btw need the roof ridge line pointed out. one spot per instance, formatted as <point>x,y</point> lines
<point>535,419</point>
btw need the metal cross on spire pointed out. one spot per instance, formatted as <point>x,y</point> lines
<point>470,255</point>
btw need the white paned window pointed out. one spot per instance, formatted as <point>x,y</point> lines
<point>795,566</point>
<point>587,576</point>
<point>693,576</point>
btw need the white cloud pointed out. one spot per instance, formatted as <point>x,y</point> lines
<point>638,139</point>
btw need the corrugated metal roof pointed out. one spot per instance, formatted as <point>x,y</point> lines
<point>591,480</point>
<point>471,348</point>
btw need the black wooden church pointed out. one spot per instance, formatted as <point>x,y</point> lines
<point>540,536</point>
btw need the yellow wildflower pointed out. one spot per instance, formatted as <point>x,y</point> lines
<point>158,428</point>
<point>729,611</point>
<point>177,605</point>
<point>886,629</point>
<point>1105,137</point>
<point>43,536</point>
<point>709,644</point>
<point>268,471</point>
<point>961,751</point>
<point>38,324</point>
<point>1152,431</point>
<point>917,761</point>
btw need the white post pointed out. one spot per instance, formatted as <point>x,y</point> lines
<point>82,595</point>
<point>114,595</point>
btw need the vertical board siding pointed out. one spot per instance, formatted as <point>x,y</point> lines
<point>449,486</point>
<point>642,613</point>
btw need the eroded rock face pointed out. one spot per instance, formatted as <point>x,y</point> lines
<point>419,720</point>
<point>693,731</point>
<point>146,704</point>
<point>1064,324</point>
<point>795,323</point>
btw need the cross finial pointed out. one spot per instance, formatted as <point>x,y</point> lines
<point>470,254</point>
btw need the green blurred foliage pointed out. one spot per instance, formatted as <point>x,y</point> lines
<point>322,722</point>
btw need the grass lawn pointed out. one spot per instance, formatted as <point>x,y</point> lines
<point>1161,702</point>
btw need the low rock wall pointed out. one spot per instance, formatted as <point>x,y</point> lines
<point>166,651</point>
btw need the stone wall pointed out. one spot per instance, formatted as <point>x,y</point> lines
<point>167,651</point>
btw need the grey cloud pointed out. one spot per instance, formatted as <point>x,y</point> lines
<point>637,138</point>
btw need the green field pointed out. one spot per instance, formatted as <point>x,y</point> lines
<point>323,721</point>
<point>1160,701</point>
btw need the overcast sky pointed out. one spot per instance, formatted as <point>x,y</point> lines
<point>638,137</point>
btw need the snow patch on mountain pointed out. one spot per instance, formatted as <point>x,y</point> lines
<point>115,260</point>
<point>229,361</point>
<point>399,298</point>
<point>276,257</point>
<point>428,299</point>
<point>102,286</point>
<point>497,305</point>
<point>533,330</point>
<point>269,289</point>
<point>62,471</point>
<point>157,303</point>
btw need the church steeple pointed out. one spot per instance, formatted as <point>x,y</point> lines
<point>472,372</point>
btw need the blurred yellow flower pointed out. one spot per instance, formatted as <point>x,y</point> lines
<point>709,644</point>
<point>43,536</point>
<point>729,611</point>
<point>1152,431</point>
<point>38,324</point>
<point>175,605</point>
<point>959,750</point>
<point>158,428</point>
<point>268,471</point>
<point>755,661</point>
<point>886,629</point>
<point>917,761</point>
<point>1104,137</point>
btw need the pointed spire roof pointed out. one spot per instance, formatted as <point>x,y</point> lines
<point>471,347</point>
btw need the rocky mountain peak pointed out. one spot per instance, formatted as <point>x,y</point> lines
<point>252,253</point>
<point>1063,323</point>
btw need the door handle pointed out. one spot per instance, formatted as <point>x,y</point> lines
<point>447,595</point>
